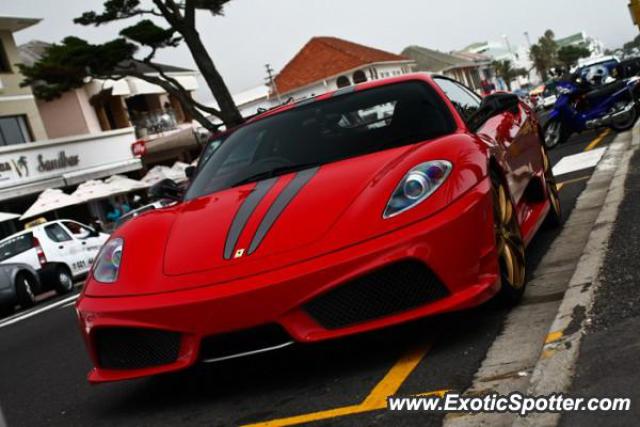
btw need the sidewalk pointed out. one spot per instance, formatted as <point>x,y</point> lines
<point>609,361</point>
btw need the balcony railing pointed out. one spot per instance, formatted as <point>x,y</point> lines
<point>154,122</point>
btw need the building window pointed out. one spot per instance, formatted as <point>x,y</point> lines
<point>343,81</point>
<point>5,66</point>
<point>14,130</point>
<point>359,77</point>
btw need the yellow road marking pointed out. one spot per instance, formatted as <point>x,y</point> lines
<point>376,400</point>
<point>553,337</point>
<point>598,140</point>
<point>571,181</point>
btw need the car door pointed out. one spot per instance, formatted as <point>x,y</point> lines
<point>60,247</point>
<point>88,240</point>
<point>504,130</point>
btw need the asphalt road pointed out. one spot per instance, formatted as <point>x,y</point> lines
<point>43,366</point>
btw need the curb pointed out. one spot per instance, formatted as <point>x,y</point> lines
<point>555,368</point>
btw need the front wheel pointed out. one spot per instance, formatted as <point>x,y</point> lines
<point>554,133</point>
<point>63,280</point>
<point>509,244</point>
<point>25,290</point>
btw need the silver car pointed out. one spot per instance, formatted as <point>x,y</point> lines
<point>19,285</point>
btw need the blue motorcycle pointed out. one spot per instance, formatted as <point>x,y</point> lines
<point>581,106</point>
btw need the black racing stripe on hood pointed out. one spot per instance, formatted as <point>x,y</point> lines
<point>279,205</point>
<point>244,213</point>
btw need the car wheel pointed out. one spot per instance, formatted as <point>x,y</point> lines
<point>554,133</point>
<point>554,217</point>
<point>25,289</point>
<point>63,280</point>
<point>509,244</point>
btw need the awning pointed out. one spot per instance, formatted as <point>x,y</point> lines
<point>6,216</point>
<point>50,200</point>
<point>118,87</point>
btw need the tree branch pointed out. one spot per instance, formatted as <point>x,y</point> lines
<point>179,86</point>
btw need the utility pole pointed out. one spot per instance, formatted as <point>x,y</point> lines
<point>272,82</point>
<point>526,36</point>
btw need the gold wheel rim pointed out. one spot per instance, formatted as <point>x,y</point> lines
<point>508,239</point>
<point>551,182</point>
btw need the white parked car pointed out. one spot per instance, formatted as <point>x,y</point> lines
<point>60,251</point>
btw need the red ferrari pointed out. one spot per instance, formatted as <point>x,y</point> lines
<point>355,210</point>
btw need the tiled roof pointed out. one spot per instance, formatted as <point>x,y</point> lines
<point>434,60</point>
<point>323,57</point>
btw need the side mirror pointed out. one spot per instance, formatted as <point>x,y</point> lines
<point>166,189</point>
<point>190,172</point>
<point>493,105</point>
<point>93,233</point>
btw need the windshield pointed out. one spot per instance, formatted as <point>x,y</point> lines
<point>320,132</point>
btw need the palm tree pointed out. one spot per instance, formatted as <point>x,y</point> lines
<point>505,70</point>
<point>544,54</point>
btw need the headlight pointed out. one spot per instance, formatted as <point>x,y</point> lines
<point>418,184</point>
<point>108,262</point>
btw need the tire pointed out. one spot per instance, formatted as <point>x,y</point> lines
<point>510,246</point>
<point>25,290</point>
<point>554,133</point>
<point>554,217</point>
<point>627,124</point>
<point>63,280</point>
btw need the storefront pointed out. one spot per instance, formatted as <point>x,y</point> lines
<point>28,169</point>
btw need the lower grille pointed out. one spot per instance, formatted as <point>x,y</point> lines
<point>135,348</point>
<point>254,340</point>
<point>390,290</point>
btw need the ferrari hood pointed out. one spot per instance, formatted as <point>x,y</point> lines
<point>271,217</point>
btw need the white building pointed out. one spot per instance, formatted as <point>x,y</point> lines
<point>595,46</point>
<point>324,64</point>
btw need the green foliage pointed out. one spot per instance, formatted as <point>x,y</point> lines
<point>505,70</point>
<point>149,34</point>
<point>569,55</point>
<point>633,44</point>
<point>67,65</point>
<point>544,54</point>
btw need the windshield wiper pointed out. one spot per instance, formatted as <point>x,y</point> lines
<point>274,172</point>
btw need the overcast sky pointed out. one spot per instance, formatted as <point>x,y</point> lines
<point>255,32</point>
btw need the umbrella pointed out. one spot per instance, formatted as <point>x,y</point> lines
<point>179,171</point>
<point>157,174</point>
<point>94,190</point>
<point>125,184</point>
<point>50,200</point>
<point>6,216</point>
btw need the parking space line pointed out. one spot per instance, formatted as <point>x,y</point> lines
<point>553,337</point>
<point>572,181</point>
<point>598,140</point>
<point>23,316</point>
<point>377,398</point>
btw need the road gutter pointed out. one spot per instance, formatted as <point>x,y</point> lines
<point>556,365</point>
<point>562,282</point>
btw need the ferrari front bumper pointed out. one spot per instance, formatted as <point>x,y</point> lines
<point>452,252</point>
